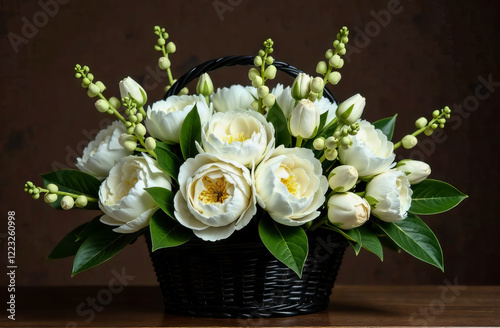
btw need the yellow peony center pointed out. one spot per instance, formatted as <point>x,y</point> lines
<point>125,187</point>
<point>230,138</point>
<point>292,185</point>
<point>215,190</point>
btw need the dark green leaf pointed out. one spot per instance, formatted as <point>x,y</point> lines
<point>288,244</point>
<point>164,198</point>
<point>362,237</point>
<point>93,227</point>
<point>168,161</point>
<point>69,245</point>
<point>190,133</point>
<point>278,119</point>
<point>386,125</point>
<point>166,232</point>
<point>434,196</point>
<point>100,247</point>
<point>416,238</point>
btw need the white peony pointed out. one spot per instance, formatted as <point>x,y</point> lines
<point>165,117</point>
<point>243,136</point>
<point>371,152</point>
<point>290,185</point>
<point>122,197</point>
<point>103,152</point>
<point>215,197</point>
<point>234,97</point>
<point>392,192</point>
<point>348,210</point>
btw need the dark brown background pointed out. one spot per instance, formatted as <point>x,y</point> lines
<point>428,54</point>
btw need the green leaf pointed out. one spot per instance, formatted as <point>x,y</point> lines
<point>288,244</point>
<point>386,125</point>
<point>190,133</point>
<point>362,237</point>
<point>93,227</point>
<point>69,245</point>
<point>278,119</point>
<point>164,198</point>
<point>168,161</point>
<point>434,196</point>
<point>75,182</point>
<point>100,247</point>
<point>166,232</point>
<point>414,237</point>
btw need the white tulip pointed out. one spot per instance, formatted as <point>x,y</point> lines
<point>351,109</point>
<point>304,119</point>
<point>342,178</point>
<point>243,136</point>
<point>371,153</point>
<point>290,186</point>
<point>165,117</point>
<point>103,152</point>
<point>130,88</point>
<point>122,197</point>
<point>392,192</point>
<point>301,86</point>
<point>348,210</point>
<point>416,171</point>
<point>215,197</point>
<point>234,97</point>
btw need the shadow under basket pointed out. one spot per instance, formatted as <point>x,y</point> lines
<point>239,278</point>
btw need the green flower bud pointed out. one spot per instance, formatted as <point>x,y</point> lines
<point>421,122</point>
<point>164,63</point>
<point>313,96</point>
<point>434,126</point>
<point>262,91</point>
<point>319,143</point>
<point>101,86</point>
<point>334,77</point>
<point>269,60</point>
<point>336,61</point>
<point>171,47</point>
<point>429,131</point>
<point>435,114</point>
<point>345,141</point>
<point>140,117</point>
<point>81,201</point>
<point>160,41</point>
<point>102,105</point>
<point>409,141</point>
<point>269,100</point>
<point>130,145</point>
<point>329,54</point>
<point>442,120</point>
<point>90,76</point>
<point>35,196</point>
<point>441,126</point>
<point>321,68</point>
<point>130,130</point>
<point>252,73</point>
<point>255,105</point>
<point>67,202</point>
<point>50,198</point>
<point>257,82</point>
<point>447,109</point>
<point>93,90</point>
<point>205,85</point>
<point>331,154</point>
<point>342,52</point>
<point>140,130</point>
<point>184,91</point>
<point>85,82</point>
<point>270,72</point>
<point>113,101</point>
<point>52,188</point>
<point>150,143</point>
<point>317,85</point>
<point>331,143</point>
<point>257,61</point>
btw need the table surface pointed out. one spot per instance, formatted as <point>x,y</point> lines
<point>447,305</point>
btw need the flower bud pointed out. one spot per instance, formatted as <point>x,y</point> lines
<point>348,210</point>
<point>130,145</point>
<point>93,90</point>
<point>421,122</point>
<point>252,73</point>
<point>336,61</point>
<point>301,87</point>
<point>331,143</point>
<point>409,141</point>
<point>317,85</point>
<point>321,68</point>
<point>102,105</point>
<point>205,85</point>
<point>319,143</point>
<point>67,202</point>
<point>113,101</point>
<point>171,48</point>
<point>270,72</point>
<point>132,89</point>
<point>351,109</point>
<point>50,198</point>
<point>150,143</point>
<point>257,81</point>
<point>262,91</point>
<point>140,130</point>
<point>334,77</point>
<point>269,100</point>
<point>257,61</point>
<point>304,119</point>
<point>343,178</point>
<point>164,63</point>
<point>81,201</point>
<point>331,154</point>
<point>416,171</point>
<point>101,86</point>
<point>52,188</point>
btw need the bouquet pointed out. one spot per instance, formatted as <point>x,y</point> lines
<point>286,160</point>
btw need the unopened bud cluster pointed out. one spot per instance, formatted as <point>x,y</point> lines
<point>340,138</point>
<point>258,76</point>
<point>52,193</point>
<point>93,88</point>
<point>334,62</point>
<point>307,87</point>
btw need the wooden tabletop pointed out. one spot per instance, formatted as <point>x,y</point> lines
<point>447,305</point>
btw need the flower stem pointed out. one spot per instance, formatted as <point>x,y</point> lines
<point>416,133</point>
<point>298,144</point>
<point>319,223</point>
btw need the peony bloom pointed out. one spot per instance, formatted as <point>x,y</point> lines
<point>304,119</point>
<point>215,197</point>
<point>234,97</point>
<point>416,171</point>
<point>348,210</point>
<point>165,117</point>
<point>371,152</point>
<point>342,178</point>
<point>103,152</point>
<point>351,109</point>
<point>130,88</point>
<point>392,192</point>
<point>290,186</point>
<point>122,197</point>
<point>243,136</point>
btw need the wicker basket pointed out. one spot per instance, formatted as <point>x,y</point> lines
<point>238,277</point>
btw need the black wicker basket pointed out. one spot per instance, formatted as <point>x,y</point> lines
<point>238,277</point>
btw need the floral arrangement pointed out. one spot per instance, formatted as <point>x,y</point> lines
<point>286,160</point>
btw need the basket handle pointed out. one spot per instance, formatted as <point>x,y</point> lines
<point>233,61</point>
